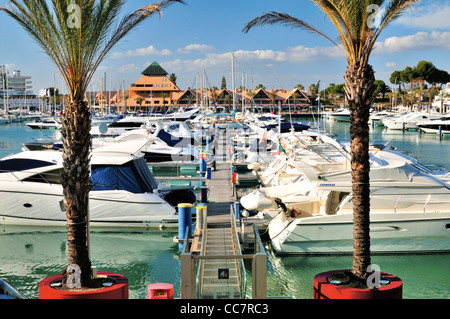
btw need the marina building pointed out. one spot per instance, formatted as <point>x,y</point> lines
<point>16,90</point>
<point>155,91</point>
<point>442,99</point>
<point>15,83</point>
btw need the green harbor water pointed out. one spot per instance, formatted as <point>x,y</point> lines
<point>30,254</point>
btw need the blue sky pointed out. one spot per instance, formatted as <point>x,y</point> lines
<point>200,36</point>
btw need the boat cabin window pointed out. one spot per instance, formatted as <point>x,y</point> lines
<point>136,124</point>
<point>333,202</point>
<point>51,177</point>
<point>422,168</point>
<point>22,164</point>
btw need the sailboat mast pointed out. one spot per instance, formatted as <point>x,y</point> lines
<point>232,80</point>
<point>54,94</point>
<point>124,107</point>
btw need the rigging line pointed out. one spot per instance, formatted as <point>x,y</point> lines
<point>190,92</point>
<point>245,84</point>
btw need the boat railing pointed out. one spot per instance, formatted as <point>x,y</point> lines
<point>238,251</point>
<point>201,264</point>
<point>321,151</point>
<point>191,263</point>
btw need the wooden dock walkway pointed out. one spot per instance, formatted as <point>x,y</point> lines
<point>220,276</point>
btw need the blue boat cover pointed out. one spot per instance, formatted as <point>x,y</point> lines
<point>171,140</point>
<point>134,177</point>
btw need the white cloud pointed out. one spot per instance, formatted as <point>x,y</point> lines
<point>265,58</point>
<point>298,54</point>
<point>435,16</point>
<point>391,65</point>
<point>294,55</point>
<point>305,54</point>
<point>128,68</point>
<point>104,68</point>
<point>195,47</point>
<point>415,42</point>
<point>150,50</point>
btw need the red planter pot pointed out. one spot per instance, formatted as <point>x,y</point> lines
<point>119,290</point>
<point>323,289</point>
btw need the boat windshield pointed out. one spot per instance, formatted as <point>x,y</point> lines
<point>422,168</point>
<point>22,164</point>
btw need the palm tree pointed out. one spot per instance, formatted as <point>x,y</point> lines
<point>163,96</point>
<point>139,101</point>
<point>77,35</point>
<point>443,95</point>
<point>393,97</point>
<point>313,90</point>
<point>354,21</point>
<point>273,97</point>
<point>300,86</point>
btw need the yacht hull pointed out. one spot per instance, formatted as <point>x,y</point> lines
<point>444,129</point>
<point>25,205</point>
<point>341,117</point>
<point>389,233</point>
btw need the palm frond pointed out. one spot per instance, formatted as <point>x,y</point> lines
<point>352,19</point>
<point>77,50</point>
<point>286,20</point>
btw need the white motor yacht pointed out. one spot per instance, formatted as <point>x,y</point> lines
<point>375,118</point>
<point>161,146</point>
<point>133,122</point>
<point>409,121</point>
<point>123,191</point>
<point>49,123</point>
<point>341,115</point>
<point>441,126</point>
<point>410,210</point>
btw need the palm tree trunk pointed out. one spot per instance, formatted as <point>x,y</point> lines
<point>360,88</point>
<point>76,125</point>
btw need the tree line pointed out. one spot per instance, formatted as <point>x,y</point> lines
<point>424,71</point>
<point>412,82</point>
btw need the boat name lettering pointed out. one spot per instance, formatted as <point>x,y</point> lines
<point>327,184</point>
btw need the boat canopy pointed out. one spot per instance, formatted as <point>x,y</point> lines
<point>133,177</point>
<point>171,140</point>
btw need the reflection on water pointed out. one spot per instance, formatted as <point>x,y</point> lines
<point>28,255</point>
<point>5,145</point>
<point>424,276</point>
